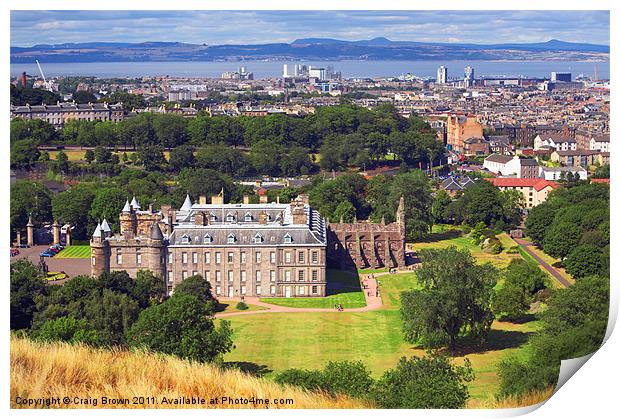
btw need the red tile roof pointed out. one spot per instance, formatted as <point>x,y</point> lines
<point>509,182</point>
<point>600,181</point>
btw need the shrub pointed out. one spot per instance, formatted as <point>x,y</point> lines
<point>241,306</point>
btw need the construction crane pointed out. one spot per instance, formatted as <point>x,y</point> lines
<point>48,85</point>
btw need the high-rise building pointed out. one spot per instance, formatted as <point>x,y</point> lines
<point>556,77</point>
<point>285,72</point>
<point>469,79</point>
<point>317,72</point>
<point>442,75</point>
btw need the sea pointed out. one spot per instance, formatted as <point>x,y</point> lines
<point>349,69</point>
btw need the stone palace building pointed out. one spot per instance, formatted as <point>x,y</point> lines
<point>265,249</point>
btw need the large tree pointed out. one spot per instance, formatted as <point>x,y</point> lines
<point>107,204</point>
<point>182,326</point>
<point>26,285</point>
<point>30,199</point>
<point>73,207</point>
<point>521,281</point>
<point>454,299</point>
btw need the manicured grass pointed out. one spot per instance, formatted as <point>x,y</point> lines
<point>343,288</point>
<point>372,271</point>
<point>443,237</point>
<point>74,252</point>
<point>390,287</point>
<point>230,306</point>
<point>72,155</point>
<point>278,341</point>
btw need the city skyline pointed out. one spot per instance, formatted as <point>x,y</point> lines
<point>221,27</point>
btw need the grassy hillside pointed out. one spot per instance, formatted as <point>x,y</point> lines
<point>42,370</point>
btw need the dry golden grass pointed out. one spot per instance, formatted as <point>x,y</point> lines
<point>44,370</point>
<point>512,402</point>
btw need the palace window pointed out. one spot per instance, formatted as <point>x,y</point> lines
<point>231,257</point>
<point>184,239</point>
<point>218,290</point>
<point>288,238</point>
<point>315,289</point>
<point>243,276</point>
<point>301,275</point>
<point>243,257</point>
<point>207,257</point>
<point>287,276</point>
<point>194,257</point>
<point>218,257</point>
<point>230,218</point>
<point>315,257</point>
<point>315,275</point>
<point>184,257</point>
<point>248,217</point>
<point>302,290</point>
<point>257,238</point>
<point>258,276</point>
<point>218,276</point>
<point>258,290</point>
<point>242,289</point>
<point>170,257</point>
<point>259,257</point>
<point>231,276</point>
<point>273,290</point>
<point>272,276</point>
<point>287,257</point>
<point>272,257</point>
<point>231,239</point>
<point>301,257</point>
<point>208,276</point>
<point>183,274</point>
<point>119,257</point>
<point>213,217</point>
<point>207,238</point>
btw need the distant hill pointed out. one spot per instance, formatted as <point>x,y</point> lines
<point>42,370</point>
<point>308,49</point>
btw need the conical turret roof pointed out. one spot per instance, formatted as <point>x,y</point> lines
<point>98,232</point>
<point>135,204</point>
<point>156,233</point>
<point>105,226</point>
<point>126,208</point>
<point>187,205</point>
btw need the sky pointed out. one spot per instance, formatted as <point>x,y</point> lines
<point>253,27</point>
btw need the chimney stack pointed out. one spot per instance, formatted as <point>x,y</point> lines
<point>262,217</point>
<point>263,199</point>
<point>246,199</point>
<point>202,200</point>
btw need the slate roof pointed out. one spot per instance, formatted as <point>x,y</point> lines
<point>499,158</point>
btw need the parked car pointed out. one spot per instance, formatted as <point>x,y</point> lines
<point>57,246</point>
<point>47,253</point>
<point>14,252</point>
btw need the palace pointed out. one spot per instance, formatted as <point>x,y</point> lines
<point>265,249</point>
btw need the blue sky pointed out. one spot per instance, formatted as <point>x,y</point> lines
<point>251,27</point>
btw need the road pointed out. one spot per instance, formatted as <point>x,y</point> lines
<point>526,246</point>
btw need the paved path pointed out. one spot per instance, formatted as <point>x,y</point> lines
<point>372,303</point>
<point>526,246</point>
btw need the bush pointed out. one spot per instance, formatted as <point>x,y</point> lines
<point>431,382</point>
<point>512,250</point>
<point>466,229</point>
<point>241,306</point>
<point>493,245</point>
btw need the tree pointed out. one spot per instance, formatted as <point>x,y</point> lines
<point>539,219</point>
<point>197,286</point>
<point>431,382</point>
<point>512,202</point>
<point>107,204</point>
<point>73,206</point>
<point>37,129</point>
<point>265,156</point>
<point>413,186</point>
<point>441,202</point>
<point>89,156</point>
<point>584,260</point>
<point>24,153</point>
<point>84,96</point>
<point>345,211</point>
<point>511,302</point>
<point>170,130</point>
<point>147,289</point>
<point>182,326</point>
<point>182,156</point>
<point>481,202</point>
<point>29,199</point>
<point>102,154</point>
<point>225,159</point>
<point>152,157</point>
<point>111,314</point>
<point>574,325</point>
<point>26,284</point>
<point>67,329</point>
<point>455,298</point>
<point>561,238</point>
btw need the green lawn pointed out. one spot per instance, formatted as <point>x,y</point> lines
<point>343,288</point>
<point>74,252</point>
<point>446,236</point>
<point>230,306</point>
<point>278,341</point>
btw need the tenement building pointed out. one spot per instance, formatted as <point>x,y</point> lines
<point>265,249</point>
<point>60,113</point>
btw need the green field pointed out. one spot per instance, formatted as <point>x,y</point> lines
<point>74,252</point>
<point>344,288</point>
<point>230,306</point>
<point>446,236</point>
<point>278,341</point>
